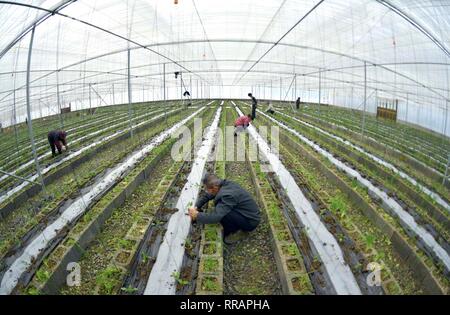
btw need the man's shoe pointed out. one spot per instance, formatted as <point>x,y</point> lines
<point>235,237</point>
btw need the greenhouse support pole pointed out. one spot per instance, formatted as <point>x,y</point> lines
<point>15,115</point>
<point>295,86</point>
<point>320,89</point>
<point>164,83</point>
<point>407,105</point>
<point>281,82</point>
<point>114,96</point>
<point>57,77</point>
<point>271,90</point>
<point>445,119</point>
<point>129,92</point>
<point>164,88</point>
<point>365,99</point>
<point>90,100</point>
<point>351,97</point>
<point>61,121</point>
<point>264,90</point>
<point>445,134</point>
<point>30,124</point>
<point>181,85</point>
<point>446,170</point>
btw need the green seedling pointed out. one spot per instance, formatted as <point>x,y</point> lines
<point>107,279</point>
<point>178,279</point>
<point>129,290</point>
<point>145,257</point>
<point>370,240</point>
<point>188,243</point>
<point>42,275</point>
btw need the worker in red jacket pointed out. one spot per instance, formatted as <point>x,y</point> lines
<point>57,138</point>
<point>242,123</point>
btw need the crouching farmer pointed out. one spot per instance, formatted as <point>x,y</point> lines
<point>241,123</point>
<point>235,209</point>
<point>56,139</point>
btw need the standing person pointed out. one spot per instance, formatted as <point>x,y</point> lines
<point>297,103</point>
<point>188,95</point>
<point>254,104</point>
<point>242,123</point>
<point>55,139</point>
<point>235,208</point>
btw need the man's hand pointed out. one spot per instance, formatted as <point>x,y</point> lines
<point>193,212</point>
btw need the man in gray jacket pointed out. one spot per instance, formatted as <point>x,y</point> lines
<point>235,208</point>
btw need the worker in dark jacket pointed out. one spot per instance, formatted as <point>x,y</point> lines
<point>57,138</point>
<point>254,104</point>
<point>297,103</point>
<point>235,209</point>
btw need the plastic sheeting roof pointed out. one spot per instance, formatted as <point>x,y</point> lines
<point>226,49</point>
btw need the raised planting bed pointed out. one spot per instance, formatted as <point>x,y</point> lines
<point>250,265</point>
<point>431,245</point>
<point>173,260</point>
<point>136,222</point>
<point>336,275</point>
<point>210,271</point>
<point>88,137</point>
<point>72,121</point>
<point>403,160</point>
<point>357,256</point>
<point>104,241</point>
<point>294,276</point>
<point>387,170</point>
<point>40,208</point>
<point>427,213</point>
<point>71,162</point>
<point>426,145</point>
<point>73,211</point>
<point>395,249</point>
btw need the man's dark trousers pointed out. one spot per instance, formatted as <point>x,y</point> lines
<point>253,112</point>
<point>234,221</point>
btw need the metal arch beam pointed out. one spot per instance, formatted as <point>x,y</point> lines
<point>227,40</point>
<point>103,30</point>
<point>231,60</point>
<point>281,38</point>
<point>288,73</point>
<point>61,5</point>
<point>416,24</point>
<point>265,32</point>
<point>206,36</point>
<point>354,83</point>
<point>248,41</point>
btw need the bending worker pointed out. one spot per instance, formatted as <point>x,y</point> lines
<point>254,104</point>
<point>235,209</point>
<point>55,139</point>
<point>241,123</point>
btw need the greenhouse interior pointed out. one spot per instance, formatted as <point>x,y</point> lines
<point>239,147</point>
